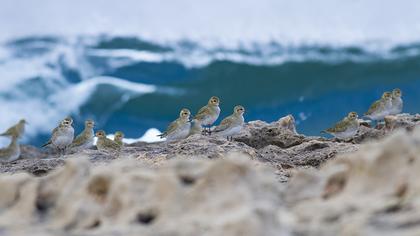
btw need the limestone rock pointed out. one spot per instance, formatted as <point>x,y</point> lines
<point>227,196</point>
<point>373,191</point>
<point>259,134</point>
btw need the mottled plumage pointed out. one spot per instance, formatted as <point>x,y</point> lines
<point>397,102</point>
<point>12,151</point>
<point>380,108</point>
<point>345,128</point>
<point>208,114</point>
<point>17,129</point>
<point>62,136</point>
<point>195,128</point>
<point>118,138</point>
<point>105,144</point>
<point>85,139</point>
<point>232,124</point>
<point>180,128</point>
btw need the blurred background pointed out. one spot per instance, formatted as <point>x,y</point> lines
<point>133,64</point>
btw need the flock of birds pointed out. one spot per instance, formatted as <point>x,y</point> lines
<point>62,137</point>
<point>390,103</point>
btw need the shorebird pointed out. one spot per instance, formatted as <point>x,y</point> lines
<point>195,128</point>
<point>208,114</point>
<point>180,128</point>
<point>345,128</point>
<point>17,129</point>
<point>397,102</point>
<point>62,136</point>
<point>118,138</point>
<point>11,152</point>
<point>380,108</point>
<point>85,139</point>
<point>106,144</point>
<point>232,124</point>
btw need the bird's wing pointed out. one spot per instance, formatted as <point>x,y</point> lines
<point>80,139</point>
<point>374,107</point>
<point>53,135</point>
<point>339,127</point>
<point>112,144</point>
<point>9,131</point>
<point>225,124</point>
<point>4,152</point>
<point>171,128</point>
<point>202,113</point>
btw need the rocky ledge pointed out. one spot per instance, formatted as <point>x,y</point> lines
<point>195,187</point>
<point>275,144</point>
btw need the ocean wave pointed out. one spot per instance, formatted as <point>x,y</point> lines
<point>45,112</point>
<point>125,51</point>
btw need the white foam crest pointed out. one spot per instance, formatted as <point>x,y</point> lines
<point>45,115</point>
<point>254,55</point>
<point>70,99</point>
<point>150,136</point>
<point>15,69</point>
<point>81,92</point>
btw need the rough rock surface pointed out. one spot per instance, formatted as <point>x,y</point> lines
<point>370,191</point>
<point>276,144</point>
<point>374,191</point>
<point>228,196</point>
<point>198,187</point>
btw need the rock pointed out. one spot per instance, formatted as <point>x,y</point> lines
<point>392,123</point>
<point>373,191</point>
<point>259,134</point>
<point>31,152</point>
<point>274,144</point>
<point>227,196</point>
<point>284,184</point>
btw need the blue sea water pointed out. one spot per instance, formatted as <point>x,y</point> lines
<point>133,85</point>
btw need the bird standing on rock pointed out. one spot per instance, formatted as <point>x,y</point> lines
<point>62,136</point>
<point>85,139</point>
<point>17,129</point>
<point>180,128</point>
<point>12,151</point>
<point>106,144</point>
<point>208,114</point>
<point>232,124</point>
<point>195,128</point>
<point>397,102</point>
<point>346,128</point>
<point>380,108</point>
<point>118,138</point>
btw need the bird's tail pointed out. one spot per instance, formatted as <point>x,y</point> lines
<point>5,134</point>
